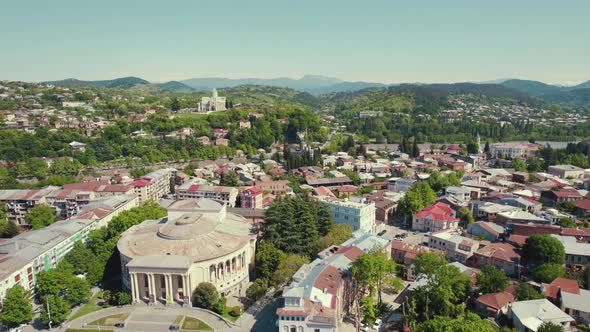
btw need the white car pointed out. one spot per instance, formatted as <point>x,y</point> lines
<point>377,324</point>
<point>364,328</point>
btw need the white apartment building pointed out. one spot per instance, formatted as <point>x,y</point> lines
<point>27,254</point>
<point>193,189</point>
<point>512,150</point>
<point>154,185</point>
<point>357,212</point>
<point>313,301</point>
<point>457,247</point>
<point>566,171</point>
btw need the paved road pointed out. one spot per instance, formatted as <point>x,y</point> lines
<point>392,231</point>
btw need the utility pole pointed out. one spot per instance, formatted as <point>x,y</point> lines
<point>48,313</point>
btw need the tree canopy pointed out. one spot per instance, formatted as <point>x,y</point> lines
<point>291,224</point>
<point>550,327</point>
<point>548,272</point>
<point>543,248</point>
<point>419,196</point>
<point>525,292</point>
<point>40,216</point>
<point>491,280</point>
<point>443,295</point>
<point>17,307</point>
<point>205,295</point>
<point>466,323</point>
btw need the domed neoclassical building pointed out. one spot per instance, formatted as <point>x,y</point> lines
<point>199,241</point>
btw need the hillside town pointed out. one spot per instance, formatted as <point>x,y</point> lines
<point>478,214</point>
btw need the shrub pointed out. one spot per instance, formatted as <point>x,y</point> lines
<point>235,311</point>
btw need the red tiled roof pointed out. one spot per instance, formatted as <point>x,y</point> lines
<point>518,239</point>
<point>437,211</point>
<point>583,204</point>
<point>567,193</point>
<point>140,183</point>
<point>329,280</point>
<point>350,252</point>
<point>323,191</point>
<point>496,300</point>
<point>563,284</point>
<point>87,186</point>
<point>252,191</point>
<point>489,229</point>
<point>347,189</point>
<point>501,251</point>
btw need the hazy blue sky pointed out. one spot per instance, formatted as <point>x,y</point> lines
<point>387,41</point>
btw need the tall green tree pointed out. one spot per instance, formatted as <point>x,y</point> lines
<point>470,322</point>
<point>428,263</point>
<point>55,311</point>
<point>518,164</point>
<point>370,274</point>
<point>443,295</point>
<point>548,272</point>
<point>17,307</point>
<point>540,249</point>
<point>465,217</point>
<point>287,268</point>
<point>40,216</point>
<point>11,230</point>
<point>525,292</point>
<point>291,224</point>
<point>491,280</point>
<point>267,260</point>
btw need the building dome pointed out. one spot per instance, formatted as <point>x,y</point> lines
<point>197,242</point>
<point>199,235</point>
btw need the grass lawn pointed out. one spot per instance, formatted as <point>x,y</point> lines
<point>191,323</point>
<point>178,319</point>
<point>89,307</point>
<point>110,320</point>
<point>191,115</point>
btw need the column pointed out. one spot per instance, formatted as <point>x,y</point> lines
<point>172,292</point>
<point>187,287</point>
<point>133,292</point>
<point>136,287</point>
<point>168,286</point>
<point>152,286</point>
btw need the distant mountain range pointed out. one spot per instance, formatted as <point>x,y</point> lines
<point>314,84</point>
<point>578,95</point>
<point>117,83</point>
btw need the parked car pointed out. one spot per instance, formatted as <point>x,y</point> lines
<point>364,328</point>
<point>120,324</point>
<point>174,327</point>
<point>377,324</point>
<point>382,232</point>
